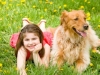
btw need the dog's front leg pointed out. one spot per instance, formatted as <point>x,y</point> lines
<point>57,59</point>
<point>60,58</point>
<point>93,38</point>
<point>82,62</point>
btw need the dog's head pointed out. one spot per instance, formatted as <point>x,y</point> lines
<point>75,21</point>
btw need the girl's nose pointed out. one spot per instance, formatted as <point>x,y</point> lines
<point>30,42</point>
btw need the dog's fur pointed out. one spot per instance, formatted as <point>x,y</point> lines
<point>73,40</point>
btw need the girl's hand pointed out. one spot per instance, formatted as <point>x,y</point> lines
<point>37,48</point>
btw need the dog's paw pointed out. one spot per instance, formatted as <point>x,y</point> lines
<point>81,66</point>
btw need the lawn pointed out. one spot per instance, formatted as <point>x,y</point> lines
<point>11,14</point>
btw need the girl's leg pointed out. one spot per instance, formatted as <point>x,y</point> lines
<point>42,25</point>
<point>25,22</point>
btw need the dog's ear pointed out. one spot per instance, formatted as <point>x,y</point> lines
<point>64,15</point>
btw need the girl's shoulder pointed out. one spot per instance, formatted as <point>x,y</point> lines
<point>22,49</point>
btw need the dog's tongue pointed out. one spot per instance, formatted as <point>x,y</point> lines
<point>82,33</point>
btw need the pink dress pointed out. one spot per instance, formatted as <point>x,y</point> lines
<point>47,40</point>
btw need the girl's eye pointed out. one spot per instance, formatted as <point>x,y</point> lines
<point>33,38</point>
<point>26,39</point>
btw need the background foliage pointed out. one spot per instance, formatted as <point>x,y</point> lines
<point>11,14</point>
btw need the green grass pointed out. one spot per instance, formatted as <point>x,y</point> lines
<point>11,14</point>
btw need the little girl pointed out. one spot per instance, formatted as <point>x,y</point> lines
<point>31,43</point>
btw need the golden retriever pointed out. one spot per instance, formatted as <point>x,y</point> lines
<point>72,41</point>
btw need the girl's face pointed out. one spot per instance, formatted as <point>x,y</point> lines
<point>30,41</point>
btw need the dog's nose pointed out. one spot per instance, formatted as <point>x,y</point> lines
<point>85,27</point>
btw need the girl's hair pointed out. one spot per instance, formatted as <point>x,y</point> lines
<point>30,28</point>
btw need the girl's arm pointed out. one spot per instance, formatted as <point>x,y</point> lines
<point>21,61</point>
<point>46,57</point>
<point>36,57</point>
<point>45,60</point>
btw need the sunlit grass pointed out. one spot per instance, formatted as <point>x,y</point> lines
<point>11,14</point>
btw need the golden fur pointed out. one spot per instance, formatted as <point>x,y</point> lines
<point>72,41</point>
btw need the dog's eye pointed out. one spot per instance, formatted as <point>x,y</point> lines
<point>84,18</point>
<point>76,19</point>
